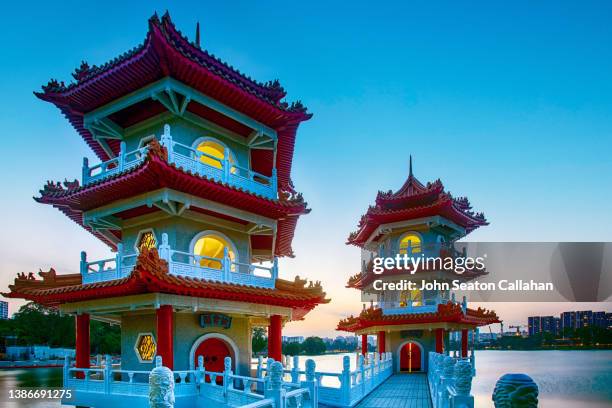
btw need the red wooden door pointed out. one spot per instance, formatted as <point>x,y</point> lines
<point>214,352</point>
<point>410,357</point>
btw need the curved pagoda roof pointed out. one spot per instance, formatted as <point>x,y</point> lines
<point>415,200</point>
<point>151,275</point>
<point>446,313</point>
<point>166,52</point>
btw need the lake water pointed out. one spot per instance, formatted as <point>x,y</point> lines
<point>566,378</point>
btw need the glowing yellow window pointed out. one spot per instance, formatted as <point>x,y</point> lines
<point>213,246</point>
<point>145,347</point>
<point>214,153</point>
<point>411,297</point>
<point>410,241</point>
<point>147,240</point>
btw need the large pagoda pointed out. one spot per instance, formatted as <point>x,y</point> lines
<point>193,192</point>
<point>418,221</point>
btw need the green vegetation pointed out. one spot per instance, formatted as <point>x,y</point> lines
<point>313,346</point>
<point>259,340</point>
<point>36,325</point>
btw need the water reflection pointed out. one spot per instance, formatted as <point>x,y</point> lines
<point>34,377</point>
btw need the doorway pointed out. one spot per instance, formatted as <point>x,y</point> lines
<point>214,351</point>
<point>410,358</point>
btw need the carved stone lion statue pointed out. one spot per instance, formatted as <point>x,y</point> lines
<point>161,386</point>
<point>515,391</point>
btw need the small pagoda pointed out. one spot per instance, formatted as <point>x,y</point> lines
<point>193,194</point>
<point>416,220</point>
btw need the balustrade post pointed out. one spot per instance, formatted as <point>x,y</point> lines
<point>119,260</point>
<point>66,371</point>
<point>446,381</point>
<point>377,363</point>
<point>473,351</point>
<point>200,377</point>
<point>345,381</point>
<point>226,167</point>
<point>361,369</point>
<point>83,264</point>
<point>371,364</point>
<point>276,391</point>
<point>122,152</point>
<point>166,141</point>
<point>311,382</point>
<point>161,386</point>
<point>462,385</point>
<point>516,390</point>
<point>275,269</point>
<point>259,372</point>
<point>85,171</point>
<point>227,372</point>
<point>269,363</point>
<point>164,249</point>
<point>226,265</point>
<point>295,370</point>
<point>108,373</point>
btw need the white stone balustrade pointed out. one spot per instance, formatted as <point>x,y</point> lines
<point>352,387</point>
<point>107,269</point>
<point>189,159</point>
<point>182,264</point>
<point>111,387</point>
<point>450,381</point>
<point>123,162</point>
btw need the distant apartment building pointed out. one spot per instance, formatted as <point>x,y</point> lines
<point>3,309</point>
<point>568,320</point>
<point>293,339</point>
<point>534,325</point>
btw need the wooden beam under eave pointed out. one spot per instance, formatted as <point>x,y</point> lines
<point>163,98</point>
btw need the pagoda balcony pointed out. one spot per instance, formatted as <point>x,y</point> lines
<point>188,159</point>
<point>417,307</point>
<point>223,270</point>
<point>442,250</point>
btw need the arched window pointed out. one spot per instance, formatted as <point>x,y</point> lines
<point>211,246</point>
<point>410,243</point>
<point>214,153</point>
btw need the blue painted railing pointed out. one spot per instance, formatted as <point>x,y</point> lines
<point>125,161</point>
<point>346,388</point>
<point>450,381</point>
<point>189,159</point>
<point>431,306</point>
<point>107,386</point>
<point>182,264</point>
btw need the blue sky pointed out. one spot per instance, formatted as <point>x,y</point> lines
<point>509,104</point>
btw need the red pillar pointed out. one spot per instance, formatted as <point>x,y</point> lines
<point>381,342</point>
<point>364,344</point>
<point>82,341</point>
<point>165,336</point>
<point>464,343</point>
<point>439,340</point>
<point>275,343</point>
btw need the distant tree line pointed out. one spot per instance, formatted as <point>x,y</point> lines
<point>37,325</point>
<point>582,338</point>
<point>310,345</point>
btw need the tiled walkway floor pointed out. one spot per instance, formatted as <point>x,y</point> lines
<point>400,391</point>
